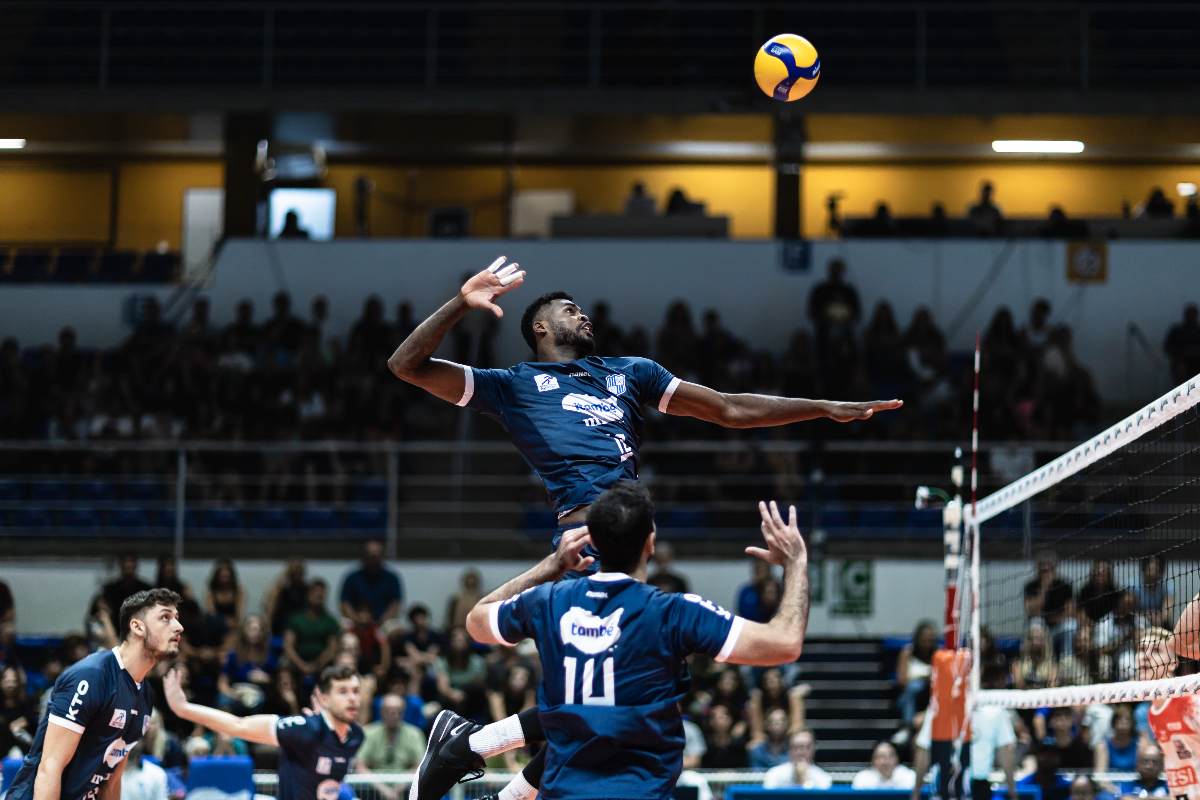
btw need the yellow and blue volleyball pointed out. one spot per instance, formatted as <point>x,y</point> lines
<point>787,67</point>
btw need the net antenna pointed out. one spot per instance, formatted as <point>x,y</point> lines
<point>1123,502</point>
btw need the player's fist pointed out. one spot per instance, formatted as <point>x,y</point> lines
<point>784,544</point>
<point>496,280</point>
<point>570,550</point>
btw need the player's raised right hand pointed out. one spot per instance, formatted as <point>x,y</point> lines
<point>570,550</point>
<point>784,544</point>
<point>497,280</point>
<point>173,689</point>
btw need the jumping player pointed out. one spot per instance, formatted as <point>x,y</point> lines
<point>577,419</point>
<point>100,707</point>
<point>613,649</point>
<point>1174,721</point>
<point>316,752</point>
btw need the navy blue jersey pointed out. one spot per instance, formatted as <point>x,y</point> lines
<point>578,424</point>
<point>313,761</point>
<point>612,651</point>
<point>96,698</point>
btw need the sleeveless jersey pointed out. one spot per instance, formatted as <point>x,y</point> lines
<point>1176,727</point>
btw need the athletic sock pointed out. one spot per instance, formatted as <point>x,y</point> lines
<point>518,789</point>
<point>498,737</point>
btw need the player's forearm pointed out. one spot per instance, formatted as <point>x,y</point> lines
<point>791,620</point>
<point>255,729</point>
<point>48,784</point>
<point>415,351</point>
<point>759,410</point>
<point>545,571</point>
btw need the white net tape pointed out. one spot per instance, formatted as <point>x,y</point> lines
<point>1123,692</point>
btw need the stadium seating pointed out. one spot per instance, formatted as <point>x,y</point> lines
<point>96,491</point>
<point>319,519</point>
<point>49,491</point>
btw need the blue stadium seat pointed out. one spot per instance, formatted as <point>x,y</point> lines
<point>166,519</point>
<point>835,515</point>
<point>686,517</point>
<point>319,519</point>
<point>96,491</point>
<point>80,520</point>
<point>72,265</point>
<point>128,519</point>
<point>878,518</point>
<point>145,491</point>
<point>116,266</point>
<point>158,268</point>
<point>229,774</point>
<point>540,521</point>
<point>49,491</point>
<point>31,518</point>
<point>225,519</point>
<point>924,520</point>
<point>11,491</point>
<point>373,518</point>
<point>371,492</point>
<point>271,519</point>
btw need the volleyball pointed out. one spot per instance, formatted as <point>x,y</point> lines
<point>787,67</point>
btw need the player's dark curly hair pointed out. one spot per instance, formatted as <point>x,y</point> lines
<point>532,311</point>
<point>619,521</point>
<point>335,672</point>
<point>135,604</point>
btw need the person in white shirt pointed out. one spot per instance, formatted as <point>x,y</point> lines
<point>694,748</point>
<point>886,771</point>
<point>799,771</point>
<point>142,779</point>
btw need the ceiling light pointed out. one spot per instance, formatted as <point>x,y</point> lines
<point>1036,146</point>
<point>1186,189</point>
<point>11,144</point>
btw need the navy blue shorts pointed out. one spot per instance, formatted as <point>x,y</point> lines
<point>588,551</point>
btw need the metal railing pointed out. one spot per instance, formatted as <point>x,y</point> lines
<point>465,489</point>
<point>591,45</point>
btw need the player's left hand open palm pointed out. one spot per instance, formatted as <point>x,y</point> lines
<point>847,412</point>
<point>784,543</point>
<point>497,280</point>
<point>570,550</point>
<point>173,689</point>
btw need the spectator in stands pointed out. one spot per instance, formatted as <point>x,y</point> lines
<point>749,595</point>
<point>142,778</point>
<point>772,750</point>
<point>375,585</point>
<point>1098,596</point>
<point>1036,334</point>
<point>914,665</point>
<point>800,770</point>
<point>370,338</point>
<point>246,676</point>
<point>694,746</point>
<point>799,374</point>
<point>925,350</point>
<point>461,676</point>
<point>168,577</point>
<point>283,331</point>
<point>1067,387</point>
<point>163,745</point>
<point>203,645</point>
<point>198,333</point>
<point>1157,206</point>
<point>1046,776</point>
<point>126,585</point>
<point>1083,788</point>
<point>310,640</point>
<point>287,596</point>
<point>1117,635</point>
<point>1149,767</point>
<point>834,309</point>
<point>8,609</point>
<point>717,347</point>
<point>1004,355</point>
<point>1051,599</point>
<point>884,352</point>
<point>664,578</point>
<point>461,603</point>
<point>1081,667</point>
<point>391,744</point>
<point>1182,345</point>
<point>640,204</point>
<point>226,598</point>
<point>291,227</point>
<point>281,698</point>
<point>372,646</point>
<point>679,205</point>
<point>984,213</point>
<point>608,337</point>
<point>18,712</point>
<point>517,694</point>
<point>1073,751</point>
<point>773,694</point>
<point>885,772</point>
<point>677,346</point>
<point>725,748</point>
<point>1156,594</point>
<point>1118,752</point>
<point>1035,667</point>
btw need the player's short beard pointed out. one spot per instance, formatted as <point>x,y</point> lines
<point>161,650</point>
<point>569,336</point>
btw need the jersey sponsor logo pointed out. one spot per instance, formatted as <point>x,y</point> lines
<point>580,375</point>
<point>1182,750</point>
<point>710,605</point>
<point>589,633</point>
<point>287,722</point>
<point>329,789</point>
<point>615,384</point>
<point>118,718</point>
<point>596,411</point>
<point>1182,776</point>
<point>115,752</point>
<point>622,446</point>
<point>598,595</point>
<point>545,383</point>
<point>324,765</point>
<point>80,690</point>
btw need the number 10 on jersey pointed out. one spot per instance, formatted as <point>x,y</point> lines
<point>570,663</point>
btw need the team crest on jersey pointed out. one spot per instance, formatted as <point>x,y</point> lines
<point>589,633</point>
<point>324,765</point>
<point>545,383</point>
<point>329,789</point>
<point>118,718</point>
<point>615,384</point>
<point>596,411</point>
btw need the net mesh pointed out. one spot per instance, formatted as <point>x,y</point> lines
<point>1087,558</point>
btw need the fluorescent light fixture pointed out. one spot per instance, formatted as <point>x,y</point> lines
<point>1186,189</point>
<point>11,144</point>
<point>1036,146</point>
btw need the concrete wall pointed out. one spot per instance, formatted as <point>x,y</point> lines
<point>1147,285</point>
<point>52,595</point>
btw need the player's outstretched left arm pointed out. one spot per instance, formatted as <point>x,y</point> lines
<point>569,556</point>
<point>759,410</point>
<point>258,728</point>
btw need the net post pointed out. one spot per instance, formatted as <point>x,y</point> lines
<point>972,530</point>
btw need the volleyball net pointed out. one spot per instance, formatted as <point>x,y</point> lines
<point>1074,575</point>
